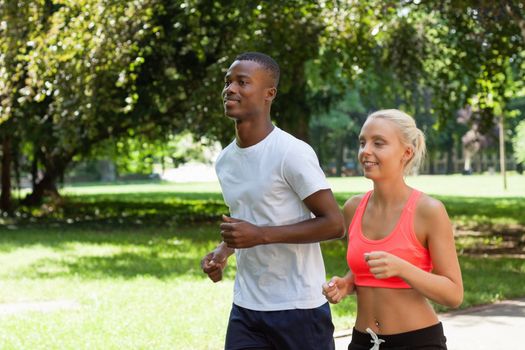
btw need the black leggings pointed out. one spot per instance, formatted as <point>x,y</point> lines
<point>430,338</point>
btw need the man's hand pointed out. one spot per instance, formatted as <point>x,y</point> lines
<point>240,234</point>
<point>338,288</point>
<point>214,263</point>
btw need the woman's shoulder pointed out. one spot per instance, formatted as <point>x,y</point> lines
<point>350,207</point>
<point>429,207</point>
<point>352,203</point>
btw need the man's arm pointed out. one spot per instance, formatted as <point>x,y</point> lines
<point>327,224</point>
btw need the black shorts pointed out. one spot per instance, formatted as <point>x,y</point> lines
<point>301,329</point>
<point>429,338</point>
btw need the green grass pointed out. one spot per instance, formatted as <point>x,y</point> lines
<point>470,200</point>
<point>445,185</point>
<point>129,255</point>
<point>141,287</point>
<point>138,288</point>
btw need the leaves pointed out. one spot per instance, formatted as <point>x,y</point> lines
<point>74,74</point>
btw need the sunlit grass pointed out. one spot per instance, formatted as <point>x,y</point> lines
<point>445,185</point>
<point>138,288</point>
<point>133,188</point>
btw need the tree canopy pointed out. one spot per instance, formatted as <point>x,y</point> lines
<point>77,74</point>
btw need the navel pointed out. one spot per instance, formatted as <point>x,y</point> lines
<point>377,324</point>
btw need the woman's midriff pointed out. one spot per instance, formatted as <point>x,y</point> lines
<point>392,311</point>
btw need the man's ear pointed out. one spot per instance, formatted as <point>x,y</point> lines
<point>271,93</point>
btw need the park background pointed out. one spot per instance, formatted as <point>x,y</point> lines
<point>102,102</point>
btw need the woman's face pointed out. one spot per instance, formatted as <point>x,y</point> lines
<point>382,154</point>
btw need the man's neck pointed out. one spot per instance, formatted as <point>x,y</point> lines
<point>251,132</point>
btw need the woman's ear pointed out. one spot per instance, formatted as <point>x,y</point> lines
<point>408,154</point>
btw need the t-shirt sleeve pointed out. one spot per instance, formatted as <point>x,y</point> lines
<point>302,171</point>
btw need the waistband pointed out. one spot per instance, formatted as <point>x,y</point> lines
<point>432,335</point>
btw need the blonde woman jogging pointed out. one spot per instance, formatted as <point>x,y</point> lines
<point>401,250</point>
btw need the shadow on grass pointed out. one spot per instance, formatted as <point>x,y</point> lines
<point>153,208</point>
<point>485,210</point>
<point>88,252</point>
<point>124,265</point>
<point>59,234</point>
<point>147,197</point>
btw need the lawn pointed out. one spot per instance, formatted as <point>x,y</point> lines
<point>134,288</point>
<point>125,259</point>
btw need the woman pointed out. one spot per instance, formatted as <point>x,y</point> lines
<point>401,249</point>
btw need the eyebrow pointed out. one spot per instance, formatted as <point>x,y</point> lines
<point>361,137</point>
<point>239,75</point>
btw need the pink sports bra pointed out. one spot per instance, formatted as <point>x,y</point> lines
<point>402,242</point>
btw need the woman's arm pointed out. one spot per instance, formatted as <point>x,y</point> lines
<point>444,284</point>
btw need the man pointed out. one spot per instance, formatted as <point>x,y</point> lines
<point>272,184</point>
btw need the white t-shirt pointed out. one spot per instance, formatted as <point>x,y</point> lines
<point>265,184</point>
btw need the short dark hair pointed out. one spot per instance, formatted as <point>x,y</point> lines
<point>264,60</point>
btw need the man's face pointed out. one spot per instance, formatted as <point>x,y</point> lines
<point>248,90</point>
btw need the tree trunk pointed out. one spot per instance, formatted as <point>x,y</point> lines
<point>339,159</point>
<point>47,186</point>
<point>34,170</point>
<point>297,126</point>
<point>5,197</point>
<point>502,151</point>
<point>450,160</point>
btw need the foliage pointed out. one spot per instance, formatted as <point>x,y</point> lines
<point>80,76</point>
<point>136,154</point>
<point>430,59</point>
<point>474,56</point>
<point>81,64</point>
<point>98,70</point>
<point>519,142</point>
<point>18,22</point>
<point>341,124</point>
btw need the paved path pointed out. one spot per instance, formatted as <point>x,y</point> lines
<point>490,327</point>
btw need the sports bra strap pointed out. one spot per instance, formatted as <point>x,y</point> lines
<point>364,200</point>
<point>412,200</point>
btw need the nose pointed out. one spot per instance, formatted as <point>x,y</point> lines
<point>228,89</point>
<point>364,148</point>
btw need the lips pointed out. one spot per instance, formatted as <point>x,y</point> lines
<point>230,101</point>
<point>368,164</point>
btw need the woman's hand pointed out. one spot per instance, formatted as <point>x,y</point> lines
<point>385,265</point>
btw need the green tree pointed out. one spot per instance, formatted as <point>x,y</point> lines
<point>97,70</point>
<point>80,73</point>
<point>19,23</point>
<point>341,125</point>
<point>519,143</point>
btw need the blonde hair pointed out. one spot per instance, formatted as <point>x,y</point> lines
<point>410,135</point>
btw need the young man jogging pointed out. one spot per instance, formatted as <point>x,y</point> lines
<point>281,207</point>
